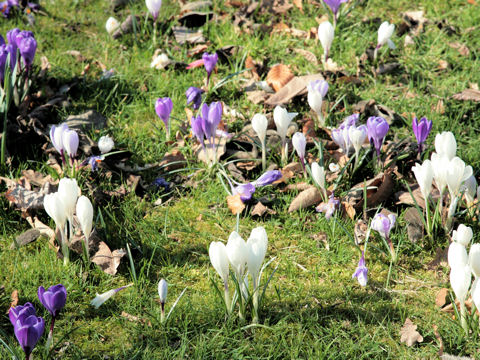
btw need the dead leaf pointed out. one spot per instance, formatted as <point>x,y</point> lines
<point>260,210</point>
<point>311,58</point>
<point>172,161</point>
<point>439,108</point>
<point>321,237</point>
<point>14,298</point>
<point>409,334</point>
<point>360,231</point>
<point>106,259</point>
<point>278,76</point>
<point>442,298</point>
<point>462,48</point>
<point>235,204</point>
<point>305,199</point>
<point>24,199</point>
<point>296,86</point>
<point>348,209</point>
<point>134,318</point>
<point>468,95</point>
<point>415,21</point>
<point>77,55</point>
<point>184,35</point>
<point>332,66</point>
<point>298,4</point>
<point>37,178</point>
<point>439,339</point>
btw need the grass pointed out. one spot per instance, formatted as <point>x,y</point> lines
<point>313,309</point>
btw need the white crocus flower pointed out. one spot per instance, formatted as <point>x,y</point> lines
<point>260,125</point>
<point>100,299</point>
<point>474,260</point>
<point>424,175</point>
<point>112,25</point>
<point>463,235</point>
<point>457,255</point>
<point>385,32</point>
<point>326,33</point>
<point>219,259</point>
<point>440,165</point>
<point>470,188</point>
<point>282,119</point>
<point>237,253</point>
<point>105,144</point>
<point>457,173</point>
<point>445,144</point>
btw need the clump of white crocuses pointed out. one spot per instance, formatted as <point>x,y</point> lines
<point>462,266</point>
<point>245,258</point>
<point>62,206</point>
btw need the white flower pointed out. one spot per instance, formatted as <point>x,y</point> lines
<point>463,235</point>
<point>282,120</point>
<point>476,293</point>
<point>470,188</point>
<point>460,279</point>
<point>445,144</point>
<point>260,125</point>
<point>457,255</point>
<point>318,175</point>
<point>299,142</point>
<point>153,7</point>
<point>385,32</point>
<point>457,173</point>
<point>326,33</point>
<point>55,208</point>
<point>160,62</point>
<point>424,175</point>
<point>105,144</point>
<point>219,259</point>
<point>112,25</point>
<point>85,215</point>
<point>440,165</point>
<point>316,92</point>
<point>357,136</point>
<point>333,167</point>
<point>68,191</point>
<point>162,290</point>
<point>237,253</point>
<point>100,299</point>
<point>474,259</point>
<point>257,248</point>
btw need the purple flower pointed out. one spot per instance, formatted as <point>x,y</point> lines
<point>209,61</point>
<point>93,161</point>
<point>21,311</point>
<point>361,271</point>
<point>334,5</point>
<point>245,190</point>
<point>161,182</point>
<point>3,61</point>
<point>383,224</point>
<point>341,137</point>
<point>53,299</point>
<point>56,136</point>
<point>163,108</point>
<point>212,115</point>
<point>318,85</point>
<point>197,127</point>
<point>350,121</point>
<point>328,208</point>
<point>27,47</point>
<point>421,130</point>
<point>12,37</point>
<point>377,128</point>
<point>70,142</point>
<point>194,96</point>
<point>28,328</point>
<point>267,178</point>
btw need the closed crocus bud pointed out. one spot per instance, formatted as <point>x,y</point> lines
<point>457,255</point>
<point>377,128</point>
<point>282,119</point>
<point>457,173</point>
<point>197,127</point>
<point>460,279</point>
<point>212,115</point>
<point>85,215</point>
<point>268,178</point>
<point>163,108</point>
<point>357,136</point>
<point>105,144</point>
<point>318,175</point>
<point>424,175</point>
<point>68,191</point>
<point>55,208</point>
<point>56,136</point>
<point>385,32</point>
<point>194,96</point>
<point>474,259</point>
<point>237,253</point>
<point>470,188</point>
<point>101,298</point>
<point>361,272</point>
<point>463,235</point>
<point>70,142</point>
<point>153,7</point>
<point>219,259</point>
<point>421,129</point>
<point>112,25</point>
<point>326,33</point>
<point>53,299</point>
<point>260,124</point>
<point>316,92</point>
<point>162,290</point>
<point>299,143</point>
<point>257,248</point>
<point>445,144</point>
<point>440,165</point>
<point>209,61</point>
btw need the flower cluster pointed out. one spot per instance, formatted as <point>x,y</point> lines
<point>20,41</point>
<point>64,140</point>
<point>7,7</point>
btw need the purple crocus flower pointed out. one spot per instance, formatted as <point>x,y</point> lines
<point>383,224</point>
<point>70,142</point>
<point>209,61</point>
<point>3,61</point>
<point>53,299</point>
<point>21,312</point>
<point>334,5</point>
<point>212,115</point>
<point>197,127</point>
<point>245,190</point>
<point>421,130</point>
<point>267,178</point>
<point>350,121</point>
<point>28,331</point>
<point>377,128</point>
<point>161,182</point>
<point>361,271</point>
<point>163,108</point>
<point>27,47</point>
<point>328,208</point>
<point>194,96</point>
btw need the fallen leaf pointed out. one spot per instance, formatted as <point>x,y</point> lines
<point>305,199</point>
<point>321,237</point>
<point>298,4</point>
<point>77,55</point>
<point>439,339</point>
<point>468,95</point>
<point>360,231</point>
<point>415,21</point>
<point>235,204</point>
<point>442,298</point>
<point>332,66</point>
<point>462,48</point>
<point>439,108</point>
<point>278,76</point>
<point>172,161</point>
<point>311,58</point>
<point>24,199</point>
<point>134,318</point>
<point>296,86</point>
<point>14,298</point>
<point>414,225</point>
<point>454,357</point>
<point>106,259</point>
<point>184,35</point>
<point>348,209</point>
<point>259,210</point>
<point>409,334</point>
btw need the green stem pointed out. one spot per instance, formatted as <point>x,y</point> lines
<point>427,214</point>
<point>4,136</point>
<point>264,155</point>
<point>227,298</point>
<point>389,274</point>
<point>255,301</point>
<point>463,319</point>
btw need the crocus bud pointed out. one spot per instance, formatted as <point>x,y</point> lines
<point>163,108</point>
<point>377,128</point>
<point>105,144</point>
<point>457,173</point>
<point>70,142</point>
<point>209,61</point>
<point>153,7</point>
<point>197,127</point>
<point>445,144</point>
<point>28,331</point>
<point>53,299</point>
<point>259,125</point>
<point>267,178</point>
<point>100,299</point>
<point>421,130</point>
<point>299,143</point>
<point>316,92</point>
<point>424,175</point>
<point>383,224</point>
<point>457,255</point>
<point>318,175</point>
<point>112,25</point>
<point>474,259</point>
<point>357,136</point>
<point>56,136</point>
<point>237,253</point>
<point>440,165</point>
<point>68,191</point>
<point>162,290</point>
<point>194,96</point>
<point>460,279</point>
<point>282,119</point>
<point>212,115</point>
<point>257,248</point>
<point>385,32</point>
<point>55,208</point>
<point>326,33</point>
<point>219,259</point>
<point>27,47</point>
<point>463,235</point>
<point>85,215</point>
<point>470,188</point>
<point>361,271</point>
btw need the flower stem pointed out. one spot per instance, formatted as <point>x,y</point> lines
<point>64,246</point>
<point>227,297</point>
<point>162,315</point>
<point>463,319</point>
<point>255,301</point>
<point>264,156</point>
<point>49,343</point>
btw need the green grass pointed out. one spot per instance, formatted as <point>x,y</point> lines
<point>313,309</point>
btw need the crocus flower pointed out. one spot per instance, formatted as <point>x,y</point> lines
<point>340,136</point>
<point>299,143</point>
<point>463,235</point>
<point>112,25</point>
<point>457,255</point>
<point>421,130</point>
<point>361,271</point>
<point>385,32</point>
<point>219,260</point>
<point>383,224</point>
<point>328,208</point>
<point>282,119</point>
<point>100,299</point>
<point>28,330</point>
<point>326,32</point>
<point>84,212</point>
<point>160,61</point>
<point>318,175</point>
<point>93,161</point>
<point>12,39</point>
<point>267,178</point>
<point>212,115</point>
<point>56,137</point>
<point>424,175</point>
<point>470,189</point>
<point>105,144</point>
<point>194,96</point>
<point>153,7</point>
<point>316,92</point>
<point>21,311</point>
<point>377,128</point>
<point>197,128</point>
<point>68,191</point>
<point>55,208</point>
<point>440,165</point>
<point>209,61</point>
<point>27,47</point>
<point>53,299</point>
<point>460,279</point>
<point>70,142</point>
<point>260,125</point>
<point>237,253</point>
<point>445,144</point>
<point>245,191</point>
<point>161,182</point>
<point>163,108</point>
<point>162,290</point>
<point>457,173</point>
<point>3,60</point>
<point>357,136</point>
<point>334,5</point>
<point>474,260</point>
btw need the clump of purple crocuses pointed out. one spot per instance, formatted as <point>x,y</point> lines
<point>27,326</point>
<point>17,40</point>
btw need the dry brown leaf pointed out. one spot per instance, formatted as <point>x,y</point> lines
<point>250,64</point>
<point>134,318</point>
<point>296,86</point>
<point>14,298</point>
<point>322,237</point>
<point>409,334</point>
<point>24,199</point>
<point>348,209</point>
<point>462,48</point>
<point>439,339</point>
<point>298,4</point>
<point>404,197</point>
<point>172,161</point>
<point>360,231</point>
<point>37,178</point>
<point>106,259</point>
<point>297,187</point>
<point>439,108</point>
<point>235,204</point>
<point>278,76</point>
<point>305,199</point>
<point>442,297</point>
<point>415,21</point>
<point>468,94</point>
<point>414,225</point>
<point>332,66</point>
<point>311,58</point>
<point>260,210</point>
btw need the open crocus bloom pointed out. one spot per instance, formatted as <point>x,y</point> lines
<point>463,235</point>
<point>219,259</point>
<point>457,173</point>
<point>385,32</point>
<point>383,224</point>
